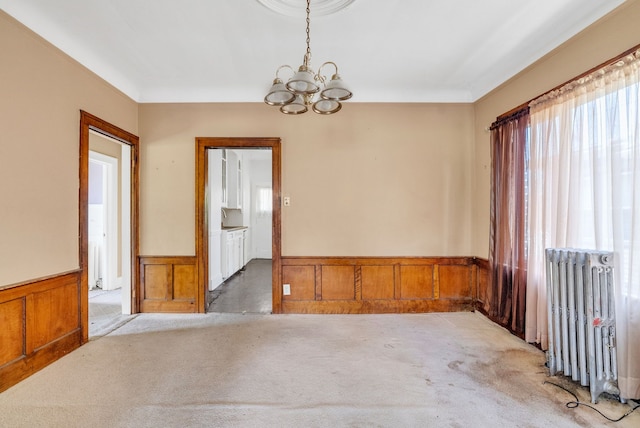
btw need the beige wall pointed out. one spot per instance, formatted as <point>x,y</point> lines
<point>43,91</point>
<point>376,179</point>
<point>609,37</point>
<point>373,180</point>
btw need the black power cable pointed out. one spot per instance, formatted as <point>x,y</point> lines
<point>576,403</point>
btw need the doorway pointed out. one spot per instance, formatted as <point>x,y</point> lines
<point>204,224</point>
<point>239,213</point>
<point>109,218</point>
<point>125,148</point>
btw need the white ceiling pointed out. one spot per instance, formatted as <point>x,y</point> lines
<point>228,51</point>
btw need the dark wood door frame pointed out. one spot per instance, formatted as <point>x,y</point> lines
<point>88,122</point>
<point>202,226</point>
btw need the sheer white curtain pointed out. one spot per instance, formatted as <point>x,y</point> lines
<point>584,192</point>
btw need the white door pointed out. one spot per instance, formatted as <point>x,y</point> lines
<point>261,230</point>
<point>103,222</point>
<point>97,227</point>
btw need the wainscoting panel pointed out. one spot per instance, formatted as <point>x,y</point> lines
<point>184,282</point>
<point>378,284</point>
<point>304,277</point>
<point>168,284</point>
<point>40,322</point>
<point>157,280</point>
<point>12,333</point>
<point>55,313</point>
<point>458,281</point>
<point>416,282</point>
<point>338,282</point>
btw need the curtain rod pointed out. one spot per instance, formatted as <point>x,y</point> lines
<point>524,105</point>
<point>514,114</point>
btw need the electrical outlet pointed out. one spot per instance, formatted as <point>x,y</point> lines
<point>287,201</point>
<point>286,289</point>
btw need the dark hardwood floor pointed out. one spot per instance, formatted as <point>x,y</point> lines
<point>248,291</point>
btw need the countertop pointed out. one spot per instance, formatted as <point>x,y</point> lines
<point>231,228</point>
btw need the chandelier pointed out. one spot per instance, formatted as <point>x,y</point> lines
<point>300,91</point>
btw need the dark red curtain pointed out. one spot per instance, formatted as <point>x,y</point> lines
<point>506,295</point>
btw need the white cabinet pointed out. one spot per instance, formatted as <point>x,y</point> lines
<point>231,254</point>
<point>225,182</point>
<point>245,247</point>
<point>215,259</point>
<point>239,182</point>
<point>233,249</point>
<point>237,250</point>
<point>224,254</point>
<point>232,165</point>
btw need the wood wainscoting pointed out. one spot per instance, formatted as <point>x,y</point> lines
<point>379,285</point>
<point>40,323</point>
<point>168,284</point>
<point>482,301</point>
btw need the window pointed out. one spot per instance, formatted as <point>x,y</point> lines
<point>264,202</point>
<point>584,192</point>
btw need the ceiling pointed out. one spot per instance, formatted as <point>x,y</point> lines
<point>228,51</point>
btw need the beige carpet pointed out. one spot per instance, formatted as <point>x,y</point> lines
<point>234,370</point>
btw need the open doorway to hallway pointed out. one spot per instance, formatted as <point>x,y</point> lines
<point>240,186</point>
<point>109,233</point>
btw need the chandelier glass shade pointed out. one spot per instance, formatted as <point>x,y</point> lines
<point>301,89</point>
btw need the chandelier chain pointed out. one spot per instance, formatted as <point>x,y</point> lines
<point>308,55</point>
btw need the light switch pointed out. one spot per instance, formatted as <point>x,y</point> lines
<point>286,289</point>
<point>287,201</point>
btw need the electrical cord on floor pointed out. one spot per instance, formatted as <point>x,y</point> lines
<point>576,403</point>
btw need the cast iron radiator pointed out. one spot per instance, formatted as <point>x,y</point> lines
<point>581,316</point>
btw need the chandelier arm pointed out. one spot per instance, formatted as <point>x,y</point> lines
<point>332,63</point>
<point>285,66</point>
<point>322,78</point>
